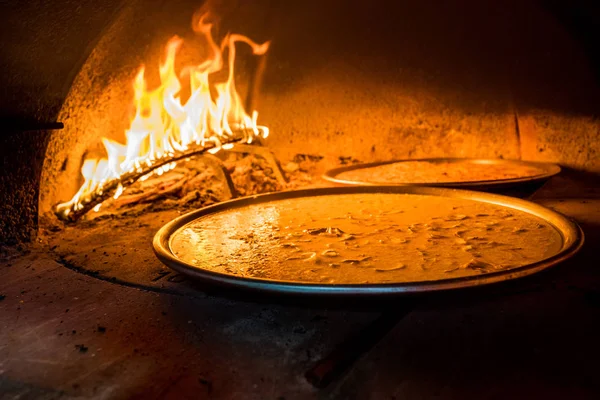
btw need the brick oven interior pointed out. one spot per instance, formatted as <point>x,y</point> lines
<point>89,311</point>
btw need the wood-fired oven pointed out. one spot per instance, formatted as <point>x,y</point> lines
<point>120,116</point>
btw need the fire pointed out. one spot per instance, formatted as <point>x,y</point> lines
<point>163,127</point>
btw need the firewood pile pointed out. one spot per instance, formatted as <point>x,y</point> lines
<point>199,182</point>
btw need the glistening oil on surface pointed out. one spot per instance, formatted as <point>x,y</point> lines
<point>365,238</point>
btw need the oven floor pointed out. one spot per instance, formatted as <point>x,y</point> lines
<point>67,334</point>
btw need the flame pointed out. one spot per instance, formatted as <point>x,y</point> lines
<point>162,126</point>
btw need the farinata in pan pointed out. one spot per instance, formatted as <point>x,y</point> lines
<point>365,238</point>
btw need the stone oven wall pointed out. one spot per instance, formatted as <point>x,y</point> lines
<point>371,80</point>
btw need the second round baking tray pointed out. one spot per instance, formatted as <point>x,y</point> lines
<point>546,171</point>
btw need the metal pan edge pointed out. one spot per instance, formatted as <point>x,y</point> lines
<point>573,239</point>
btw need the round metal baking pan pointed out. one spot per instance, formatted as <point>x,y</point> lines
<point>571,234</point>
<point>546,172</point>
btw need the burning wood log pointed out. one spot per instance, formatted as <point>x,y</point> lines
<point>75,209</point>
<point>165,188</point>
